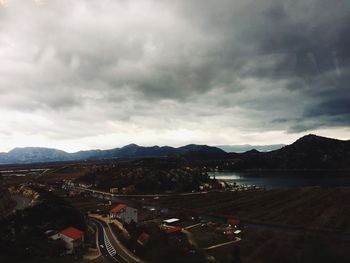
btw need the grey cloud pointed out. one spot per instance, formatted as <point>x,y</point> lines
<point>257,65</point>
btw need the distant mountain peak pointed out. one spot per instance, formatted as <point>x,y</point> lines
<point>310,138</point>
<point>131,145</point>
<point>252,151</point>
<point>196,147</point>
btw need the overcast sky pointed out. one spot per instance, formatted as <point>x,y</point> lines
<point>100,74</point>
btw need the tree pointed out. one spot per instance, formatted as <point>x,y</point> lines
<point>236,255</point>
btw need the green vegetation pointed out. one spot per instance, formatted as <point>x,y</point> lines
<point>314,207</point>
<point>23,234</point>
<point>268,246</point>
<point>160,247</point>
<point>303,225</point>
<point>147,176</point>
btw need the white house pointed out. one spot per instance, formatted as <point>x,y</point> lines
<point>124,213</point>
<point>73,238</point>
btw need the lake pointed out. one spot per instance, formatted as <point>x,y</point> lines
<point>285,179</point>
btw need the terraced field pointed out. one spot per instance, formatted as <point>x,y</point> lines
<point>302,225</point>
<point>313,207</point>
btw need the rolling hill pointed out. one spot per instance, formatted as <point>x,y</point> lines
<point>38,154</point>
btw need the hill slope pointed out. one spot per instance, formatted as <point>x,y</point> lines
<point>308,152</point>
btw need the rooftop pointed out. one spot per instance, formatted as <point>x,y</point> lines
<point>118,208</point>
<point>171,220</point>
<point>173,230</point>
<point>72,233</point>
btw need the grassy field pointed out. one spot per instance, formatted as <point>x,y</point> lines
<point>268,246</point>
<point>206,237</point>
<point>294,225</point>
<point>315,207</point>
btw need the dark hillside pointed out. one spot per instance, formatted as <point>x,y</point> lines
<point>308,152</point>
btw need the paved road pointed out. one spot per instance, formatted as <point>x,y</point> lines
<point>140,195</point>
<point>108,251</point>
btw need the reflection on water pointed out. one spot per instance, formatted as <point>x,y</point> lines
<point>286,179</point>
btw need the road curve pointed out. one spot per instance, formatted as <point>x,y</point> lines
<point>108,251</point>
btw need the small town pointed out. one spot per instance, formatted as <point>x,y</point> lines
<point>122,225</point>
<point>160,209</point>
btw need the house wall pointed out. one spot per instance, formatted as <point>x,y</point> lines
<point>71,244</point>
<point>127,215</point>
<point>130,215</point>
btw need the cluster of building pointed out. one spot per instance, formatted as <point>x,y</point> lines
<point>127,214</point>
<point>231,229</point>
<point>166,228</point>
<point>172,228</point>
<point>213,184</point>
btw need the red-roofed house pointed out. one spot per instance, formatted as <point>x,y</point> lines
<point>74,238</point>
<point>124,213</point>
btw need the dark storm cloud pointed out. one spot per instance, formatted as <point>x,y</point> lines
<point>258,66</point>
<point>303,43</point>
<point>337,107</point>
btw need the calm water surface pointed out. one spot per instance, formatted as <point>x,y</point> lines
<point>273,179</point>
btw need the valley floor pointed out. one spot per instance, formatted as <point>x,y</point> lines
<point>296,225</point>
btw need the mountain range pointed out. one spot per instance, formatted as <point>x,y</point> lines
<point>308,152</point>
<point>38,154</point>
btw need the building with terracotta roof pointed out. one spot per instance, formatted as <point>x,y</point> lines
<point>125,213</point>
<point>73,238</point>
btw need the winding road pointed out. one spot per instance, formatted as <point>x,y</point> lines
<point>110,249</point>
